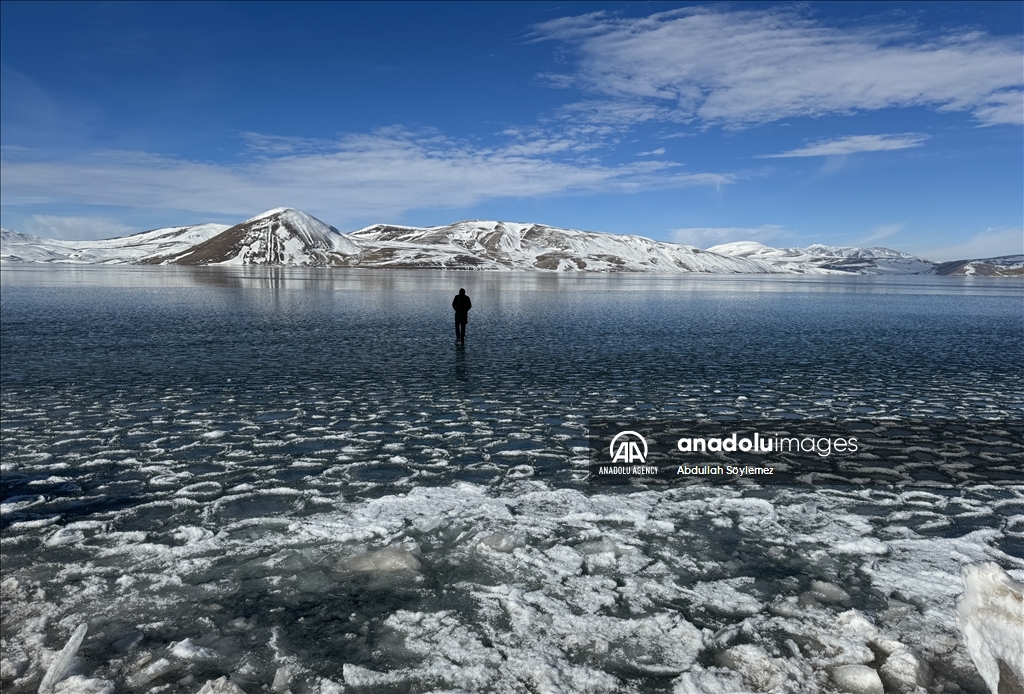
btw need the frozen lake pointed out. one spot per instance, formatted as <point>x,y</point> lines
<point>296,479</point>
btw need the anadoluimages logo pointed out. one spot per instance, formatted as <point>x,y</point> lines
<point>627,449</point>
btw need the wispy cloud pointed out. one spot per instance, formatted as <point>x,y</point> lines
<point>58,227</point>
<point>375,176</point>
<point>704,237</point>
<point>276,145</point>
<point>740,68</point>
<point>853,144</point>
<point>556,80</point>
<point>879,233</point>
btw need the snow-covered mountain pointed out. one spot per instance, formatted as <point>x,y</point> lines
<point>511,246</point>
<point>831,260</point>
<point>289,237</point>
<point>276,237</point>
<point>137,248</point>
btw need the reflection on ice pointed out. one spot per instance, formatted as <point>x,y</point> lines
<point>386,281</point>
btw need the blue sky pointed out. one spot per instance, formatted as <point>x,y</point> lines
<point>895,124</point>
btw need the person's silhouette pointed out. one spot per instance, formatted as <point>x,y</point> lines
<point>461,304</point>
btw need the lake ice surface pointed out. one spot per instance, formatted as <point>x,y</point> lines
<point>294,479</point>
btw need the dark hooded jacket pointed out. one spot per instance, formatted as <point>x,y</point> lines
<point>462,304</point>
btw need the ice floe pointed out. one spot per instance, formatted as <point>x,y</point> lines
<point>541,587</point>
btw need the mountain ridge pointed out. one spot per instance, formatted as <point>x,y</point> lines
<point>289,237</point>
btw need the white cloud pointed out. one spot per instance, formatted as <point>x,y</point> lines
<point>57,227</point>
<point>359,178</point>
<point>556,80</point>
<point>990,243</point>
<point>704,237</point>
<point>271,145</point>
<point>738,68</point>
<point>1002,107</point>
<point>619,114</point>
<point>653,153</point>
<point>853,144</point>
<point>882,232</point>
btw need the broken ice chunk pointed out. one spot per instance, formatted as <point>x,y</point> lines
<point>151,672</point>
<point>77,684</point>
<point>757,668</point>
<point>188,534</point>
<point>724,598</point>
<point>711,681</point>
<point>503,542</point>
<point>383,561</point>
<point>127,642</point>
<point>282,678</point>
<point>11,668</point>
<point>331,687</point>
<point>991,618</point>
<point>829,592</point>
<point>857,679</point>
<point>601,546</point>
<point>61,665</point>
<point>186,650</point>
<point>220,686</point>
<point>905,671</point>
<point>65,536</point>
<point>357,676</point>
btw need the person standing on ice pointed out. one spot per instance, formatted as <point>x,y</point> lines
<point>461,304</point>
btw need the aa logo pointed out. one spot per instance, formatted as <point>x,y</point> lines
<point>626,448</point>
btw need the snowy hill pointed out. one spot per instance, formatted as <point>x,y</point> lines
<point>277,237</point>
<point>1003,266</point>
<point>25,248</point>
<point>874,252</point>
<point>829,260</point>
<point>512,246</point>
<point>137,248</point>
